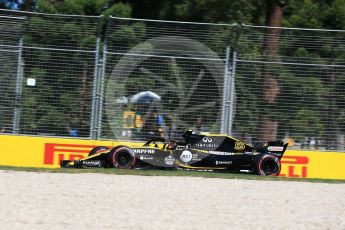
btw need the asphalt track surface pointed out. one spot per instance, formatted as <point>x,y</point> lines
<point>38,200</point>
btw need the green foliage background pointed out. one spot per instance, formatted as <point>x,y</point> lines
<point>310,96</point>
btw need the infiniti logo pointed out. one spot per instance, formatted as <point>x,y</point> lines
<point>207,139</point>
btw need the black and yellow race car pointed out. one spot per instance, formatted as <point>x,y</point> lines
<point>196,151</point>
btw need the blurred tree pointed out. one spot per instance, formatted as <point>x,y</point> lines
<point>85,7</point>
<point>274,14</point>
<point>213,11</point>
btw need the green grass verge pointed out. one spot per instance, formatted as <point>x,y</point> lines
<point>146,172</point>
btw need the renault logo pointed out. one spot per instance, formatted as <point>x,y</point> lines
<point>207,139</point>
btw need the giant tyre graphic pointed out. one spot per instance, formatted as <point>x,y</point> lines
<point>121,157</point>
<point>267,165</point>
<point>187,75</point>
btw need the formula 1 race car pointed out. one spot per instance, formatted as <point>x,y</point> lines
<point>199,152</point>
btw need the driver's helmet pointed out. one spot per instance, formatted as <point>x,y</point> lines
<point>171,145</point>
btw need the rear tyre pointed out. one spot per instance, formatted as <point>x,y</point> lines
<point>121,157</point>
<point>97,150</point>
<point>267,165</point>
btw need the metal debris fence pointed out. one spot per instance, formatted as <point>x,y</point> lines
<point>72,75</point>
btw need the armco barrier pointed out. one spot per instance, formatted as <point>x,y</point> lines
<point>23,151</point>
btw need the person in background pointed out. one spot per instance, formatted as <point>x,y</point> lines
<point>72,131</point>
<point>152,124</point>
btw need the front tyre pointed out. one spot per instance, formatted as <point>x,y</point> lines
<point>121,157</point>
<point>267,165</point>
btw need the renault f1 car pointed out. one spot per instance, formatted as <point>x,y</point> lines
<point>196,151</point>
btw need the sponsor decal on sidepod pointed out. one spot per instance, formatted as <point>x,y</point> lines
<point>169,160</point>
<point>223,162</point>
<point>144,151</point>
<point>186,156</point>
<point>221,153</point>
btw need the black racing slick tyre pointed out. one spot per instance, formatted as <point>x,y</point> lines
<point>267,165</point>
<point>97,150</point>
<point>121,157</point>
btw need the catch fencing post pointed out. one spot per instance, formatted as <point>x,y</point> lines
<point>19,86</point>
<point>103,65</point>
<point>225,104</point>
<point>95,95</point>
<point>232,94</point>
